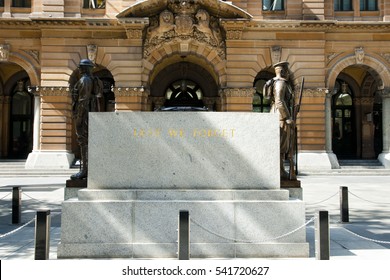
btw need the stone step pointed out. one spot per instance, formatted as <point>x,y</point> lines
<point>361,164</point>
<point>16,168</point>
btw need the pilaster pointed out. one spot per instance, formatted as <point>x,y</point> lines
<point>130,99</point>
<point>384,157</point>
<point>54,148</point>
<point>236,99</point>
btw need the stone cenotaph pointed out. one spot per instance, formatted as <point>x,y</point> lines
<point>145,167</point>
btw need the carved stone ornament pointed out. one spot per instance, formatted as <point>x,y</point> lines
<point>183,20</point>
<point>276,54</point>
<point>92,52</point>
<point>4,52</point>
<point>359,55</point>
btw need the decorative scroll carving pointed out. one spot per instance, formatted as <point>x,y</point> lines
<point>183,20</point>
<point>359,55</point>
<point>4,52</point>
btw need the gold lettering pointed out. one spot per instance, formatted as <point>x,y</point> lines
<point>151,132</point>
<point>175,133</point>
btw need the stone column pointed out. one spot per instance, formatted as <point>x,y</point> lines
<point>237,99</point>
<point>5,127</point>
<point>384,157</point>
<point>1,124</point>
<point>54,147</point>
<point>7,9</point>
<point>37,118</point>
<point>328,122</point>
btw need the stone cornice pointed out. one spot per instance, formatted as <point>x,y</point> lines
<point>59,22</point>
<point>324,26</point>
<point>230,24</point>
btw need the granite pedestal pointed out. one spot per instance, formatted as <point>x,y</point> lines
<point>145,167</point>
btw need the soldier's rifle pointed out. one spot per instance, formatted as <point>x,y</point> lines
<point>293,137</point>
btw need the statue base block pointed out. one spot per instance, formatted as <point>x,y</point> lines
<point>143,223</point>
<point>294,188</point>
<point>73,186</point>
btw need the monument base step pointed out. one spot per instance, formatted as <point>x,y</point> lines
<point>169,250</point>
<point>240,224</point>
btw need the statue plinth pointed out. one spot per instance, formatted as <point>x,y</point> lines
<point>145,167</point>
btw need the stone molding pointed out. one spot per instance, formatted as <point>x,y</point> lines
<point>364,100</point>
<point>128,92</point>
<point>315,92</point>
<point>237,92</point>
<point>53,91</point>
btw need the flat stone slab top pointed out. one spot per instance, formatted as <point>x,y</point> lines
<point>183,150</point>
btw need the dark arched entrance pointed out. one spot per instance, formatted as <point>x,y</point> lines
<point>357,114</point>
<point>184,84</point>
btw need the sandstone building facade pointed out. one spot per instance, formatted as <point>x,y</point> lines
<point>220,52</point>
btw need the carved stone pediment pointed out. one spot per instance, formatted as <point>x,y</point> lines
<point>172,21</point>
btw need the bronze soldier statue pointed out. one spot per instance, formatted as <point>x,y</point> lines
<point>280,91</point>
<point>86,95</point>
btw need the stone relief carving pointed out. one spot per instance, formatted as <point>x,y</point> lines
<point>359,54</point>
<point>183,20</point>
<point>276,54</point>
<point>4,52</point>
<point>386,56</point>
<point>92,52</point>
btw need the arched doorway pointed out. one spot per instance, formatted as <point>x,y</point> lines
<point>21,121</point>
<point>357,114</point>
<point>17,114</point>
<point>184,84</point>
<point>343,122</point>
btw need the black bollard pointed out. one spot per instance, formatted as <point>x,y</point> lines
<point>344,207</point>
<point>16,205</point>
<point>42,235</point>
<point>322,236</point>
<point>184,235</point>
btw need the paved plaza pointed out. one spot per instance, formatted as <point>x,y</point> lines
<point>365,237</point>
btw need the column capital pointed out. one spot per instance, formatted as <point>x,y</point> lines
<point>385,93</point>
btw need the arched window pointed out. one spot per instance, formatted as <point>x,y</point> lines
<point>184,92</point>
<point>260,103</point>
